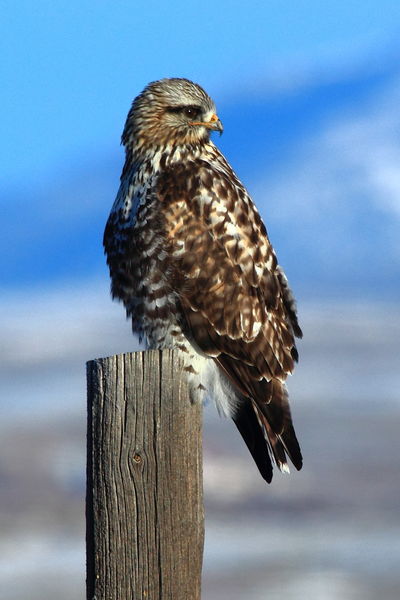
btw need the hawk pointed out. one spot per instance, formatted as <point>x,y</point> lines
<point>190,258</point>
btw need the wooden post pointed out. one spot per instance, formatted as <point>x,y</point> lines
<point>144,506</point>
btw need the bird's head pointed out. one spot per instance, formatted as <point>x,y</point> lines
<point>170,111</point>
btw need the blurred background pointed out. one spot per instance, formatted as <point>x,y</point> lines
<point>309,95</point>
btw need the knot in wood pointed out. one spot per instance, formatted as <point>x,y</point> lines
<point>137,458</point>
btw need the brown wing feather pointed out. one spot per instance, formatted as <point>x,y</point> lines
<point>236,305</point>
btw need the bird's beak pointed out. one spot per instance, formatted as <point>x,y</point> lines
<point>214,123</point>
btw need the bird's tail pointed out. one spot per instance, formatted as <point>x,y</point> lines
<point>261,437</point>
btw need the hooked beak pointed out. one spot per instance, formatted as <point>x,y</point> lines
<point>214,123</point>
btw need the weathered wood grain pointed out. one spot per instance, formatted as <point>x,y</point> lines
<point>145,517</point>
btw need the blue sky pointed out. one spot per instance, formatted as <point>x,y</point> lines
<point>307,94</point>
<point>70,69</point>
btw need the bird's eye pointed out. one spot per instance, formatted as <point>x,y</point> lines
<point>191,111</point>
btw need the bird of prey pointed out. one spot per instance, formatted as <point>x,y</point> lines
<point>190,258</point>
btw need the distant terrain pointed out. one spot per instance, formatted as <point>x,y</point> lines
<point>330,531</point>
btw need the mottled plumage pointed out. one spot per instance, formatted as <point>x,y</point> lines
<point>190,258</point>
